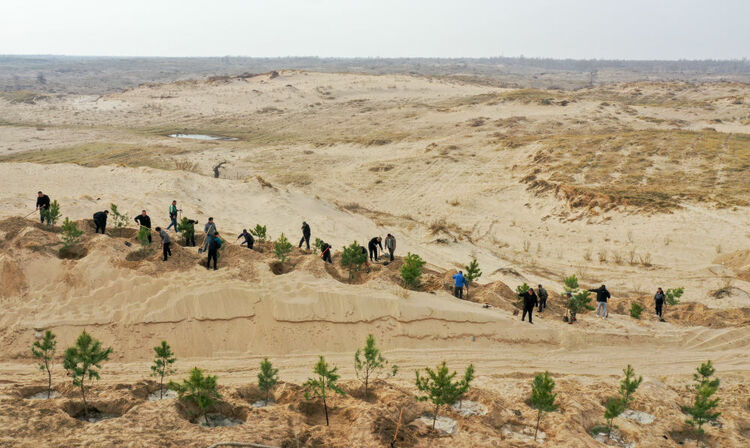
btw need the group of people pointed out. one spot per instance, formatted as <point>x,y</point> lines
<point>531,299</point>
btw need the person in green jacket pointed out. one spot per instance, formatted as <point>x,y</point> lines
<point>173,216</point>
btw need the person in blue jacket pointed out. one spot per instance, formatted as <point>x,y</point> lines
<point>459,281</point>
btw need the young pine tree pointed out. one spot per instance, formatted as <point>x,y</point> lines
<point>282,248</point>
<point>472,273</point>
<point>438,387</point>
<point>268,377</point>
<point>368,360</point>
<point>352,258</point>
<point>612,410</point>
<point>162,365</point>
<point>259,232</point>
<point>703,409</point>
<point>119,220</point>
<point>142,237</point>
<point>83,360</point>
<point>324,381</point>
<point>635,310</point>
<point>673,295</point>
<point>70,234</point>
<point>44,351</point>
<point>629,385</point>
<point>318,246</point>
<point>52,213</point>
<point>579,299</point>
<point>542,398</point>
<point>199,389</point>
<point>411,270</point>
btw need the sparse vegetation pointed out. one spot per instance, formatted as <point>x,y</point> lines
<point>579,299</point>
<point>199,389</point>
<point>542,398</point>
<point>268,377</point>
<point>162,365</point>
<point>318,246</point>
<point>44,352</point>
<point>282,248</point>
<point>324,381</point>
<point>185,165</point>
<point>119,220</point>
<point>368,361</point>
<point>703,409</point>
<point>602,255</point>
<point>646,259</point>
<point>83,361</point>
<point>587,254</point>
<point>438,387</point>
<point>673,295</point>
<point>635,310</point>
<point>411,270</point>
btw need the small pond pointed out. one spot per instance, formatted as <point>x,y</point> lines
<point>202,137</point>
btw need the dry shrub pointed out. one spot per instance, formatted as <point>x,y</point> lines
<point>439,225</point>
<point>185,165</point>
<point>602,255</point>
<point>632,257</point>
<point>264,183</point>
<point>617,257</point>
<point>526,245</point>
<point>646,259</point>
<point>587,254</point>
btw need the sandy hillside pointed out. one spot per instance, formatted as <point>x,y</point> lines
<point>632,185</point>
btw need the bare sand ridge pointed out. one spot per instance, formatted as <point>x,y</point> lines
<point>445,166</point>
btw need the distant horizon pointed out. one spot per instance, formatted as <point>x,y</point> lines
<point>446,58</point>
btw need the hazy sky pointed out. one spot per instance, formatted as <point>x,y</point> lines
<point>620,29</point>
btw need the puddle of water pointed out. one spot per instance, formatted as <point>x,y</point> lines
<point>202,137</point>
<point>43,395</point>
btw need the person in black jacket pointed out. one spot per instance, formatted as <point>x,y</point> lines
<point>249,240</point>
<point>305,235</point>
<point>213,250</point>
<point>529,302</point>
<point>602,295</point>
<point>100,219</point>
<point>542,293</point>
<point>144,221</point>
<point>373,246</point>
<point>325,253</point>
<point>42,204</point>
<point>659,298</point>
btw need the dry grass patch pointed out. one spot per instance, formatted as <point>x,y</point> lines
<point>101,153</point>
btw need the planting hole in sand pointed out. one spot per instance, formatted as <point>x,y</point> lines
<point>94,415</point>
<point>263,404</point>
<point>522,433</point>
<point>279,268</point>
<point>167,395</point>
<point>202,137</point>
<point>615,438</point>
<point>42,395</point>
<point>214,420</point>
<point>443,424</point>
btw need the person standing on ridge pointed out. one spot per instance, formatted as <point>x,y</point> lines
<point>42,204</point>
<point>659,299</point>
<point>173,216</point>
<point>325,253</point>
<point>144,221</point>
<point>373,246</point>
<point>213,250</point>
<point>305,235</point>
<point>542,293</point>
<point>602,295</point>
<point>390,244</point>
<point>100,219</point>
<point>459,281</point>
<point>166,242</point>
<point>529,302</point>
<point>249,240</point>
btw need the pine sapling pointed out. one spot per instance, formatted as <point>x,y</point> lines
<point>703,409</point>
<point>352,258</point>
<point>142,237</point>
<point>318,246</point>
<point>83,360</point>
<point>472,273</point>
<point>673,295</point>
<point>52,213</point>
<point>542,398</point>
<point>629,385</point>
<point>282,248</point>
<point>324,380</point>
<point>119,220</point>
<point>71,236</point>
<point>162,365</point>
<point>44,351</point>
<point>199,389</point>
<point>438,387</point>
<point>411,270</point>
<point>367,361</point>
<point>635,310</point>
<point>260,232</point>
<point>268,377</point>
<point>579,300</point>
<point>612,410</point>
